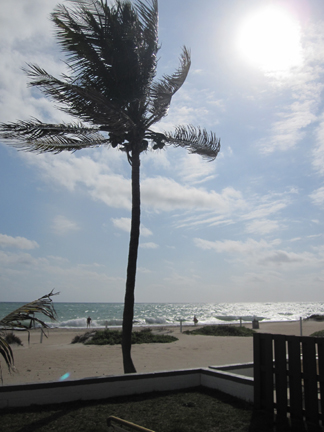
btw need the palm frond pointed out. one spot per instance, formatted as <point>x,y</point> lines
<point>35,136</point>
<point>110,49</point>
<point>148,14</point>
<point>77,100</point>
<point>7,354</point>
<point>163,90</point>
<point>79,40</point>
<point>22,319</point>
<point>195,140</point>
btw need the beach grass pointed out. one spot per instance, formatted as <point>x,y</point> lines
<point>114,337</point>
<point>195,410</point>
<point>221,330</point>
<point>315,317</point>
<point>319,333</point>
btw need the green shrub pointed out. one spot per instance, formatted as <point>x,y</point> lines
<point>315,317</point>
<point>114,337</point>
<point>82,338</point>
<point>319,333</point>
<point>221,330</point>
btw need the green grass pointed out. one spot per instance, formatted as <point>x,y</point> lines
<point>315,317</point>
<point>319,333</point>
<point>114,337</point>
<point>196,410</point>
<point>221,330</point>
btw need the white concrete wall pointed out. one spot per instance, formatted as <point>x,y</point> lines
<point>230,383</point>
<point>123,385</point>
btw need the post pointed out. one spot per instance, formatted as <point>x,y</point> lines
<point>301,326</point>
<point>41,336</point>
<point>180,326</point>
<point>240,322</point>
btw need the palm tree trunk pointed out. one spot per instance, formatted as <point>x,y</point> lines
<point>132,263</point>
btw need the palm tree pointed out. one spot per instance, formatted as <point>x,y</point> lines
<point>113,94</point>
<point>23,319</point>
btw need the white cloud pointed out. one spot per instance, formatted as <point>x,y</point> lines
<point>254,254</point>
<point>203,219</point>
<point>149,245</point>
<point>92,173</point>
<point>318,196</point>
<point>122,223</point>
<point>31,19</point>
<point>305,85</point>
<point>158,159</point>
<point>193,169</point>
<point>143,270</point>
<point>256,210</point>
<point>17,242</point>
<point>125,225</point>
<point>161,193</point>
<point>181,280</point>
<point>32,42</point>
<point>288,131</point>
<point>26,273</point>
<point>157,193</point>
<point>280,257</point>
<point>262,226</point>
<point>17,259</point>
<point>267,207</point>
<point>231,246</point>
<point>62,225</point>
<point>318,151</point>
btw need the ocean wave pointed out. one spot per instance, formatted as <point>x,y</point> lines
<point>75,323</point>
<point>161,320</point>
<point>74,315</point>
<point>112,322</point>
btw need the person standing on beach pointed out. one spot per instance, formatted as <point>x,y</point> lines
<point>195,320</point>
<point>88,322</point>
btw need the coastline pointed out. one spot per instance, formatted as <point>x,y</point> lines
<point>55,356</point>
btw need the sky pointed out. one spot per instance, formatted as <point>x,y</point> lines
<point>247,227</point>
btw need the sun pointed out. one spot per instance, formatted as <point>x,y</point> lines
<point>269,39</point>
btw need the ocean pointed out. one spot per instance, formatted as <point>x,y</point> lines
<point>74,315</point>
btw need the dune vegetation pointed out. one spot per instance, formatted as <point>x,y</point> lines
<point>221,330</point>
<point>315,317</point>
<point>114,337</point>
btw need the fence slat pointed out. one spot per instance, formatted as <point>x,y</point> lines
<point>257,370</point>
<point>310,379</point>
<point>265,372</point>
<point>281,376</point>
<point>320,349</point>
<point>295,380</point>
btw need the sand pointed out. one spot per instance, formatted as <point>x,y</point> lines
<point>55,356</point>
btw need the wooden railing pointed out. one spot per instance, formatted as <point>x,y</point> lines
<point>289,377</point>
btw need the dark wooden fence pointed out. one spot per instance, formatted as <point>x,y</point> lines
<point>289,376</point>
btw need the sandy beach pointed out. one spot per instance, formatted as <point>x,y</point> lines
<point>55,356</point>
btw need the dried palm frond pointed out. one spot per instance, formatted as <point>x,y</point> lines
<point>22,319</point>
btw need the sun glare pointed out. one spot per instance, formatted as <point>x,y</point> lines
<point>270,39</point>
